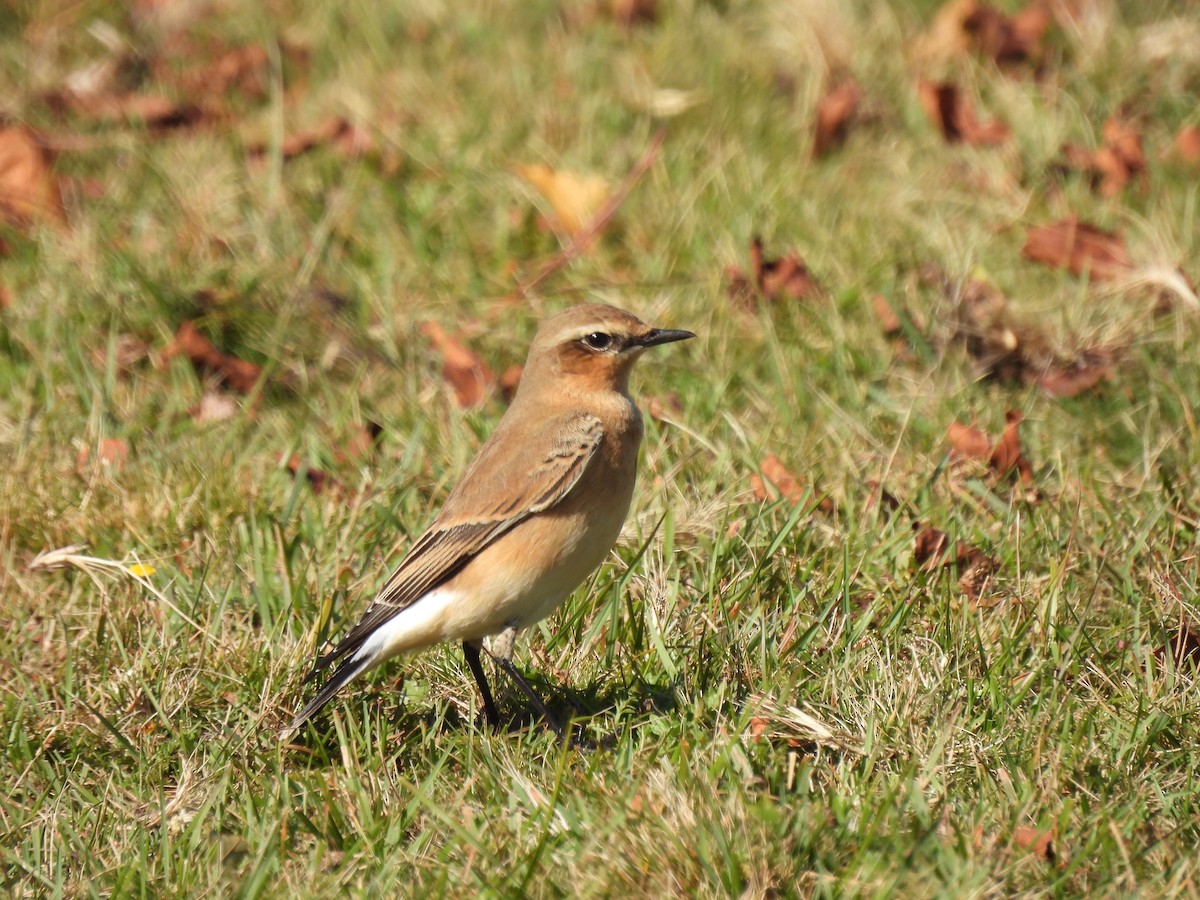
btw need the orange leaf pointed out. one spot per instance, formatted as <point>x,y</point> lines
<point>1187,144</point>
<point>968,441</point>
<point>1079,247</point>
<point>111,453</point>
<point>1006,455</point>
<point>1039,843</point>
<point>834,114</point>
<point>345,138</point>
<point>888,320</point>
<point>789,486</point>
<point>462,368</point>
<point>28,189</point>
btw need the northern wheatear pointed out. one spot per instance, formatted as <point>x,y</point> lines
<point>536,511</point>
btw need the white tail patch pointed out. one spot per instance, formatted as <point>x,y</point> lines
<point>417,626</point>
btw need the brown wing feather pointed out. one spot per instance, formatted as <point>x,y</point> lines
<point>459,532</point>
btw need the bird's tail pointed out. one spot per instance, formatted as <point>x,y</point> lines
<point>347,672</point>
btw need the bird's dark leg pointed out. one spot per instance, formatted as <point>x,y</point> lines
<point>502,654</point>
<point>471,652</point>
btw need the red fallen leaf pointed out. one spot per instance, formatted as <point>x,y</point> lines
<point>834,114</point>
<point>232,372</point>
<point>1113,165</point>
<point>112,453</point>
<point>344,137</point>
<point>29,192</point>
<point>1039,843</point>
<point>1187,144</point>
<point>1006,455</point>
<point>790,487</point>
<point>760,727</point>
<point>888,320</point>
<point>969,442</point>
<point>462,368</point>
<point>509,381</point>
<point>772,279</point>
<point>1079,247</point>
<point>155,112</point>
<point>931,550</point>
<point>954,115</point>
<point>317,479</point>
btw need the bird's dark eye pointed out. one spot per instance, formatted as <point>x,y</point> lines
<point>598,340</point>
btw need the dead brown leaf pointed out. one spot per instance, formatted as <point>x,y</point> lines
<point>932,550</point>
<point>1079,247</point>
<point>888,320</point>
<point>29,192</point>
<point>1037,842</point>
<point>968,442</point>
<point>1012,351</point>
<point>954,115</point>
<point>1187,144</point>
<point>231,371</point>
<point>789,486</point>
<point>182,82</point>
<point>1071,379</point>
<point>1112,166</point>
<point>462,368</point>
<point>787,278</point>
<point>111,453</point>
<point>153,111</point>
<point>962,25</point>
<point>317,479</point>
<point>346,139</point>
<point>835,112</point>
<point>1007,456</point>
<point>1008,39</point>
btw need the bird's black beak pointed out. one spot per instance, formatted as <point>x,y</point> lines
<point>657,336</point>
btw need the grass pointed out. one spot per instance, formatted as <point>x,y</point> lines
<point>138,711</point>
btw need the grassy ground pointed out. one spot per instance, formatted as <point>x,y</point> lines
<point>934,735</point>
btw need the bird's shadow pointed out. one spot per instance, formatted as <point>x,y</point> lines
<point>574,705</point>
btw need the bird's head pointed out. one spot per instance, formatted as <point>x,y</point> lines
<point>591,348</point>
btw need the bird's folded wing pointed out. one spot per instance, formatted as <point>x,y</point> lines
<point>489,501</point>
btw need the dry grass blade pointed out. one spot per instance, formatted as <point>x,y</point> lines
<point>777,721</point>
<point>72,557</point>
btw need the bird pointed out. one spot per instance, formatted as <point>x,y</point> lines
<point>536,511</point>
